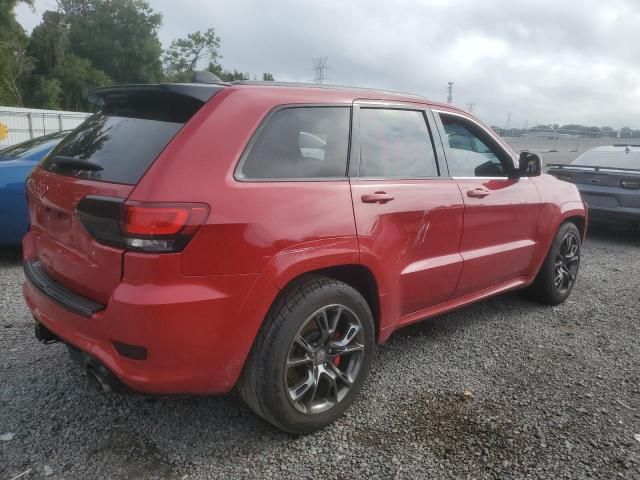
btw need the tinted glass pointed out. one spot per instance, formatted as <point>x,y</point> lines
<point>470,151</point>
<point>618,157</point>
<point>33,146</point>
<point>125,137</point>
<point>395,143</point>
<point>304,142</point>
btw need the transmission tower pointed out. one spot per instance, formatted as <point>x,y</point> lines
<point>450,92</point>
<point>470,106</point>
<point>320,68</point>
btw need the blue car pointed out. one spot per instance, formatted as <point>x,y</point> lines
<point>16,162</point>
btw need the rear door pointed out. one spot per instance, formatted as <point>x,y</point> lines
<point>118,145</point>
<point>408,215</point>
<point>500,214</point>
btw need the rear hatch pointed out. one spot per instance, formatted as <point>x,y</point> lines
<point>78,186</point>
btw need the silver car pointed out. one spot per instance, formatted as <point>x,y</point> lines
<point>609,181</point>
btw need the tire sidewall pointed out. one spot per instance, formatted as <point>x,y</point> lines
<point>274,358</point>
<point>550,262</point>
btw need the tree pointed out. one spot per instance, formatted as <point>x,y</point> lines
<point>49,43</point>
<point>227,75</point>
<point>75,8</point>
<point>267,77</point>
<point>184,54</point>
<point>77,76</point>
<point>118,37</point>
<point>60,78</point>
<point>7,15</point>
<point>47,93</point>
<point>16,66</point>
<point>15,63</point>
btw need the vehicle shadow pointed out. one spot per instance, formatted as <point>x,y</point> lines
<point>10,256</point>
<point>614,234</point>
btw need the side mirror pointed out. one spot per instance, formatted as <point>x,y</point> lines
<point>529,165</point>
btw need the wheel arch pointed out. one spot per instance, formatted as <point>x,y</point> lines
<point>574,212</point>
<point>580,222</point>
<point>358,276</point>
<point>363,280</point>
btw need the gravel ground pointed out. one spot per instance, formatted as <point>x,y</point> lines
<point>502,389</point>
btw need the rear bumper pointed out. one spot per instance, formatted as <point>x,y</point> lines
<point>610,204</point>
<point>614,215</point>
<point>197,331</point>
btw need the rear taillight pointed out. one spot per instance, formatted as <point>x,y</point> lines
<point>141,226</point>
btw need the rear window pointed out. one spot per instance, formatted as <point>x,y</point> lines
<point>618,158</point>
<point>125,137</point>
<point>299,143</point>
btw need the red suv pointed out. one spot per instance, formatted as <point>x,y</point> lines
<point>189,238</point>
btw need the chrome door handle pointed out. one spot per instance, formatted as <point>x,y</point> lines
<point>478,193</point>
<point>378,197</point>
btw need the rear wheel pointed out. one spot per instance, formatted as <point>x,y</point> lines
<point>311,357</point>
<point>558,273</point>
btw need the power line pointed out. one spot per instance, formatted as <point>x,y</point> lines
<point>320,67</point>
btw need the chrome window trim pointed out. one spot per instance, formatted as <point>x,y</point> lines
<point>484,129</point>
<point>489,178</point>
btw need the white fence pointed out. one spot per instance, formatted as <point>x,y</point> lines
<point>26,123</point>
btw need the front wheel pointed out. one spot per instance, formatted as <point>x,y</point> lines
<point>558,273</point>
<point>311,357</point>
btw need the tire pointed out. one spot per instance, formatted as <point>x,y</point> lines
<point>546,288</point>
<point>293,356</point>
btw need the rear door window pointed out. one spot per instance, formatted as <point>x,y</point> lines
<point>125,137</point>
<point>300,143</point>
<point>395,144</point>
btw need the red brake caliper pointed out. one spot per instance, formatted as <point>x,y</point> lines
<point>336,360</point>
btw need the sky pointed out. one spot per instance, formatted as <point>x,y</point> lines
<point>521,62</point>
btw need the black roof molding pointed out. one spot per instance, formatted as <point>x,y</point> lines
<point>199,91</point>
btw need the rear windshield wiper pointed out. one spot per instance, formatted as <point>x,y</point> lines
<point>74,163</point>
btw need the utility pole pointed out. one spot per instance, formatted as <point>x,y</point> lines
<point>508,121</point>
<point>450,92</point>
<point>320,68</point>
<point>470,106</point>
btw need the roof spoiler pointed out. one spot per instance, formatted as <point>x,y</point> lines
<point>198,91</point>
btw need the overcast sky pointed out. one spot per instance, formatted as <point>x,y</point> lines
<point>543,61</point>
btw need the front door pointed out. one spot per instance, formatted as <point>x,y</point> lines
<point>408,216</point>
<point>500,214</point>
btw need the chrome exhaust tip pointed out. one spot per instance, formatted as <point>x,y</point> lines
<point>97,380</point>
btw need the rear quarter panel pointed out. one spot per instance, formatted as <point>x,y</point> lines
<point>274,231</point>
